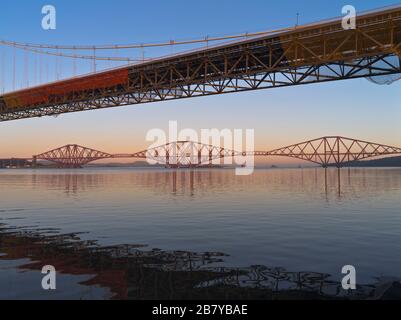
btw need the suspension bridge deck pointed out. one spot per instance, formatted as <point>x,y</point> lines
<point>312,53</point>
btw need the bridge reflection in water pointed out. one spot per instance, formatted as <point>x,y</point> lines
<point>132,272</point>
<point>278,213</point>
<point>327,182</point>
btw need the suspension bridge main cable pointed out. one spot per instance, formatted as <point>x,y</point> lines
<point>66,55</point>
<point>206,39</point>
<point>57,50</point>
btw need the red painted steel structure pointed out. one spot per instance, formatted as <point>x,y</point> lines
<point>325,151</point>
<point>72,156</point>
<point>312,53</point>
<point>333,150</point>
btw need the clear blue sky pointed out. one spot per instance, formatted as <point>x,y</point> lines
<point>355,108</point>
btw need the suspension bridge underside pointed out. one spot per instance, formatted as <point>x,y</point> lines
<point>312,53</point>
<point>325,151</point>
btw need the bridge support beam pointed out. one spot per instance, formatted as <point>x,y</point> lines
<point>34,162</point>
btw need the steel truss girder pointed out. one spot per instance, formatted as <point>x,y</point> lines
<point>72,156</point>
<point>314,54</point>
<point>381,65</point>
<point>325,151</point>
<point>334,150</point>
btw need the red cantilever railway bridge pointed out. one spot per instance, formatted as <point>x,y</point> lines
<point>325,151</point>
<point>313,53</point>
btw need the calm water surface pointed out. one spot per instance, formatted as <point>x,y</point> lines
<point>299,220</point>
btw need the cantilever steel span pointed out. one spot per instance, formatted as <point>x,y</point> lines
<point>312,53</point>
<point>325,151</point>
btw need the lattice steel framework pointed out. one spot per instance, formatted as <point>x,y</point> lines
<point>184,154</point>
<point>325,151</point>
<point>334,151</point>
<point>313,53</point>
<point>72,156</point>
